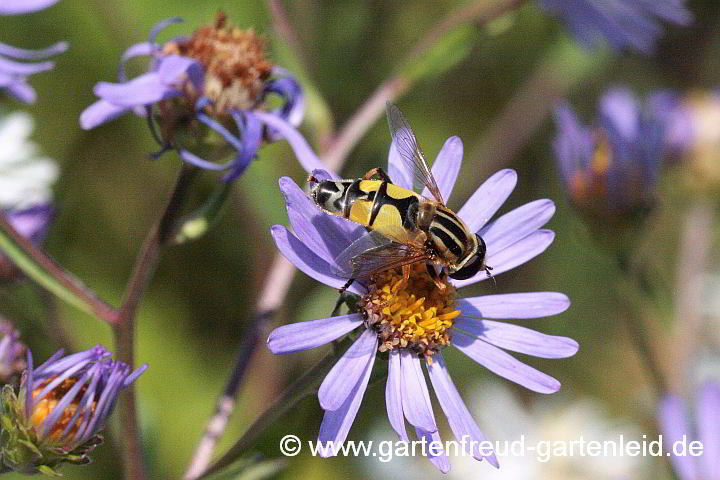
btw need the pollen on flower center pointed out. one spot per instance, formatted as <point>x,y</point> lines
<point>44,408</point>
<point>236,67</point>
<point>415,315</point>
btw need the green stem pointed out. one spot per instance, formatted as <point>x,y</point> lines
<point>37,265</point>
<point>304,386</point>
<point>124,328</point>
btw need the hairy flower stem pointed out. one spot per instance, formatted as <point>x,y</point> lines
<point>301,388</point>
<point>124,327</point>
<point>695,244</point>
<point>38,265</point>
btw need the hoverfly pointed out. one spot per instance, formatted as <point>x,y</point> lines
<point>404,227</point>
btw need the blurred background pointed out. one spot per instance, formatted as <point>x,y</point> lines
<point>497,98</point>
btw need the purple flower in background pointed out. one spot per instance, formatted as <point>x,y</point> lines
<point>203,96</point>
<point>610,170</point>
<point>14,68</point>
<point>623,24</point>
<point>17,7</point>
<point>12,353</point>
<point>676,427</point>
<point>61,407</point>
<point>26,179</point>
<point>415,321</point>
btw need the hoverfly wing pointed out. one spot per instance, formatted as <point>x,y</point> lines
<point>375,252</point>
<point>408,149</point>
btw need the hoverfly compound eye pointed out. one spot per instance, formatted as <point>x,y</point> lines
<point>475,264</point>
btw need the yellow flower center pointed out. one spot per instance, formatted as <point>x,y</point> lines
<point>415,315</point>
<point>236,67</point>
<point>44,408</point>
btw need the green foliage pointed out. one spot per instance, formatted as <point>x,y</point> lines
<point>23,451</point>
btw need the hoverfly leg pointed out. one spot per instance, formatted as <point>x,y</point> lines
<point>438,279</point>
<point>379,172</point>
<point>487,271</point>
<point>346,286</point>
<point>406,276</point>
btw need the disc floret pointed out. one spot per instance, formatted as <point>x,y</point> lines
<point>234,61</point>
<point>413,314</point>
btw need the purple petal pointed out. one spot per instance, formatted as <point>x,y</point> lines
<point>504,364</point>
<point>336,423</point>
<point>398,169</point>
<point>487,199</point>
<point>346,373</point>
<point>516,225</point>
<point>440,461</point>
<point>446,167</point>
<point>461,422</point>
<point>513,256</point>
<point>573,144</point>
<point>708,422</point>
<point>518,339</point>
<point>32,223</point>
<point>304,153</point>
<point>393,395</point>
<point>100,112</point>
<point>172,67</point>
<point>415,396</point>
<point>515,305</point>
<point>27,54</point>
<point>300,336</point>
<point>143,90</point>
<point>674,425</point>
<point>19,68</point>
<point>619,112</point>
<point>305,259</point>
<point>162,25</point>
<point>21,91</point>
<point>17,7</point>
<point>137,50</point>
<point>285,85</point>
<point>193,159</point>
<point>326,235</point>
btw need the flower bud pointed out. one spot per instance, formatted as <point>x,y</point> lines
<point>59,410</point>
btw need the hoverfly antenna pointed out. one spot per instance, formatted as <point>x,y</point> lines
<point>312,179</point>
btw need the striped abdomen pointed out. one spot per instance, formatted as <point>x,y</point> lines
<point>450,236</point>
<point>367,202</point>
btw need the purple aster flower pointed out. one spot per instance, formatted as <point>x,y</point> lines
<point>12,353</point>
<point>676,427</point>
<point>204,95</point>
<point>14,69</point>
<point>623,24</point>
<point>61,407</point>
<point>610,170</point>
<point>414,321</point>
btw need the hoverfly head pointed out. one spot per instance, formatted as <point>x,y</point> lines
<point>474,264</point>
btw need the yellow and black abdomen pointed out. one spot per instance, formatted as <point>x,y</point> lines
<point>368,202</point>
